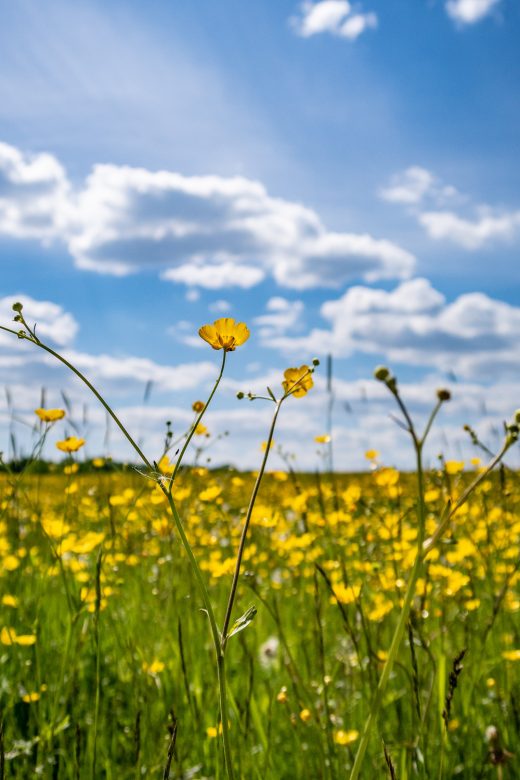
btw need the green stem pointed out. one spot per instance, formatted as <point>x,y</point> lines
<point>184,539</point>
<point>98,396</point>
<point>403,619</point>
<point>423,549</point>
<point>196,423</point>
<point>245,527</point>
<point>215,634</point>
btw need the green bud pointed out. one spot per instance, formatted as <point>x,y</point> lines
<point>517,416</point>
<point>391,383</point>
<point>513,431</point>
<point>381,373</point>
<point>315,362</point>
<point>240,395</point>
<point>17,306</point>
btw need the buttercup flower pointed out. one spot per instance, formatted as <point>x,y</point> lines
<point>72,444</point>
<point>198,406</point>
<point>298,381</point>
<point>50,415</point>
<point>225,334</point>
<point>323,439</point>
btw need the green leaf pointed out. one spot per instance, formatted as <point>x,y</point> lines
<point>243,621</point>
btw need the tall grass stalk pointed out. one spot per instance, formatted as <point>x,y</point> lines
<point>423,547</point>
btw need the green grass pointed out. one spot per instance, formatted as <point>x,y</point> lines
<point>304,540</point>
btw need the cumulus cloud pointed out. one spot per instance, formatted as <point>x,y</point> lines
<point>470,233</point>
<point>334,17</point>
<point>52,321</point>
<point>415,184</point>
<point>206,231</point>
<point>33,195</point>
<point>282,316</point>
<point>414,324</point>
<point>469,11</point>
<point>414,312</point>
<point>426,197</point>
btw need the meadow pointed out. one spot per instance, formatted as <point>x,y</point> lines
<point>379,633</point>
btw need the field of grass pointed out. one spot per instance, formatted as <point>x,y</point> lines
<point>176,622</point>
<point>106,650</point>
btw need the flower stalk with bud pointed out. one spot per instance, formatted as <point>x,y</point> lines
<point>424,546</point>
<point>226,335</point>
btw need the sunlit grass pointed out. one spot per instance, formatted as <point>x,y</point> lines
<point>180,622</point>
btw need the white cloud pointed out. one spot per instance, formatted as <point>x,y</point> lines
<point>334,17</point>
<point>52,321</point>
<point>33,195</point>
<point>215,277</point>
<point>416,184</point>
<point>469,11</point>
<point>220,306</point>
<point>282,316</point>
<point>355,25</point>
<point>122,370</point>
<point>414,324</point>
<point>408,187</point>
<point>206,231</point>
<point>410,313</point>
<point>470,234</point>
<point>425,195</point>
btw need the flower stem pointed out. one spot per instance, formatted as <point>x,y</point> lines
<point>196,423</point>
<point>245,527</point>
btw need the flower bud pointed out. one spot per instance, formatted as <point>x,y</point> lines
<point>315,362</point>
<point>391,383</point>
<point>240,395</point>
<point>513,431</point>
<point>17,307</point>
<point>517,416</point>
<point>443,394</point>
<point>381,373</point>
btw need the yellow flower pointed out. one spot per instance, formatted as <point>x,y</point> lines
<point>305,715</point>
<point>7,636</point>
<point>72,444</point>
<point>511,655</point>
<point>371,454</point>
<point>282,697</point>
<point>298,381</point>
<point>342,737</point>
<point>31,697</point>
<point>454,467</point>
<point>324,439</point>
<point>210,493</point>
<point>225,334</point>
<point>50,415</point>
<point>10,601</point>
<point>201,430</point>
<point>198,406</point>
<point>98,463</point>
<point>264,445</point>
<point>212,731</point>
<point>25,639</point>
<point>154,668</point>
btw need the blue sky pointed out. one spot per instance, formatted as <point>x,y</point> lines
<point>342,176</point>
